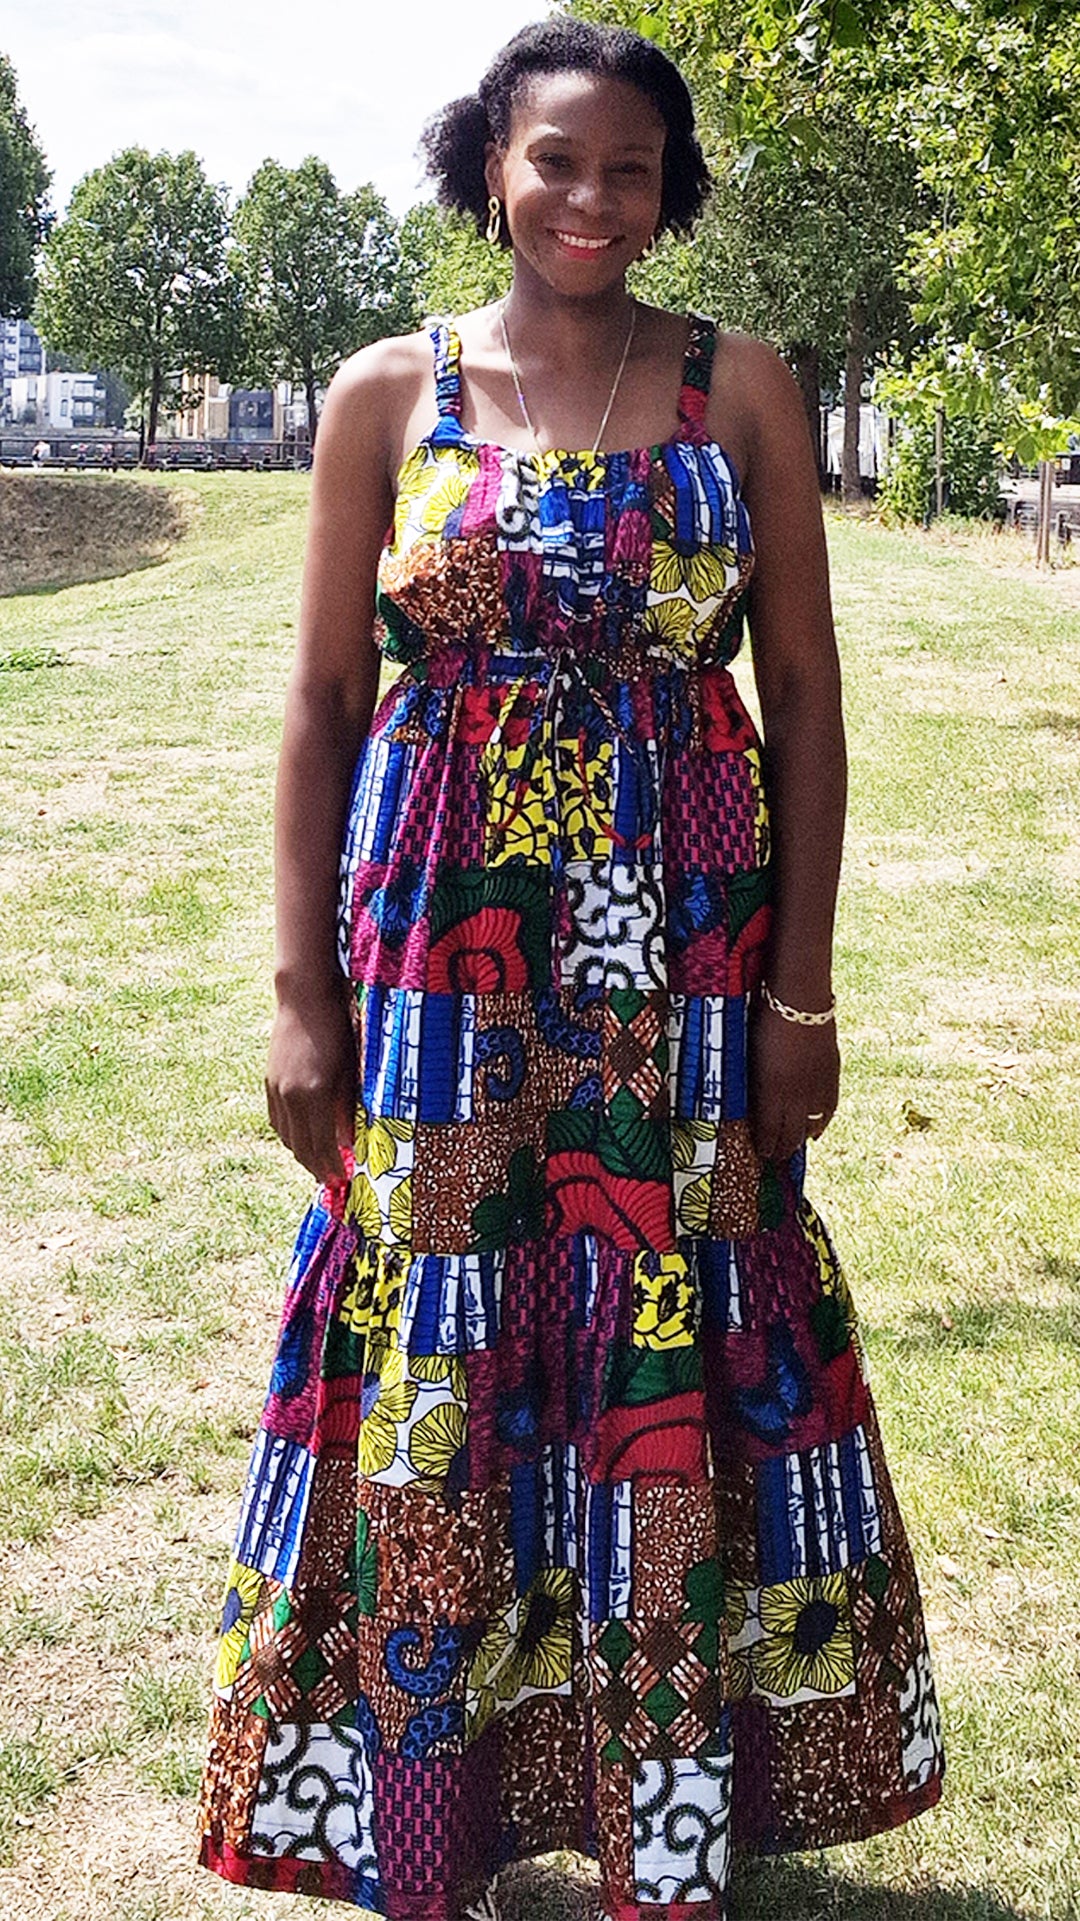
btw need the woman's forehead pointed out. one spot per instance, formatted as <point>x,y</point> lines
<point>577,105</point>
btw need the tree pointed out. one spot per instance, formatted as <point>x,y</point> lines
<point>24,187</point>
<point>446,263</point>
<point>814,207</point>
<point>988,93</point>
<point>320,274</point>
<point>135,276</point>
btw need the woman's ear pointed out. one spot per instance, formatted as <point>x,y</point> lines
<point>493,170</point>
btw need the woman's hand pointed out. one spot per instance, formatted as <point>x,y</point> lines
<point>311,1081</point>
<point>794,1076</point>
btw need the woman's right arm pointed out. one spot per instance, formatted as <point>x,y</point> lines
<point>310,1077</point>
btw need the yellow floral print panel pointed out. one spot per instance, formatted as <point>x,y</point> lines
<point>792,1642</point>
<point>528,1650</point>
<point>664,1301</point>
<point>242,1591</point>
<point>414,1421</point>
<point>586,798</point>
<point>519,792</point>
<point>432,484</point>
<point>380,1194</point>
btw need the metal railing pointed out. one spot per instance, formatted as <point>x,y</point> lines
<point>74,453</point>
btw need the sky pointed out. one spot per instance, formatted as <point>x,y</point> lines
<point>242,81</point>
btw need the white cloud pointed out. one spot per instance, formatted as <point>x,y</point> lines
<point>239,81</point>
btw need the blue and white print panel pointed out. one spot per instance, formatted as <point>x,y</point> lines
<point>707,1054</point>
<point>545,1495</point>
<point>707,508</point>
<point>417,1053</point>
<point>274,1507</point>
<point>817,1511</point>
<point>682,1829</point>
<point>451,1303</point>
<point>608,1534</point>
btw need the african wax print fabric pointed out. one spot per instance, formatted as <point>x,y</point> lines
<point>567,1522</point>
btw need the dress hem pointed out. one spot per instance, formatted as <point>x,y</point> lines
<point>331,1881</point>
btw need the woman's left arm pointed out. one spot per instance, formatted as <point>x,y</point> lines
<point>794,1069</point>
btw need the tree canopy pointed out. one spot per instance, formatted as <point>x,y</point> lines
<point>978,101</point>
<point>319,270</point>
<point>24,188</point>
<point>134,277</point>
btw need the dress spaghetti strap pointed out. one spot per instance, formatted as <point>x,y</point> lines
<point>447,345</point>
<point>696,379</point>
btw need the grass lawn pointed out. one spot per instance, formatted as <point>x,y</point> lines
<point>149,1211</point>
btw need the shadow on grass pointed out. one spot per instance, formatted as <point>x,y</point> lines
<point>134,562</point>
<point>1051,721</point>
<point>564,1887</point>
<point>1000,1322</point>
<point>799,1890</point>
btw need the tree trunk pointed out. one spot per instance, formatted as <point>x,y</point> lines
<point>808,375</point>
<point>854,366</point>
<point>309,389</point>
<point>155,406</point>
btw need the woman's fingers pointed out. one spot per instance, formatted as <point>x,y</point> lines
<point>310,1085</point>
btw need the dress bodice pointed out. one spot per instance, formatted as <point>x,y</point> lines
<point>645,552</point>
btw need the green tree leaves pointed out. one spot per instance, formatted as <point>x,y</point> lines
<point>24,186</point>
<point>319,271</point>
<point>134,277</point>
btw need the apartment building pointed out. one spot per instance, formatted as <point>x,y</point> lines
<point>58,402</point>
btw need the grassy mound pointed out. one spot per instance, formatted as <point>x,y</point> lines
<point>56,529</point>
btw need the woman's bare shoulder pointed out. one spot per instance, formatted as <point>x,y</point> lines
<point>750,367</point>
<point>392,368</point>
<point>755,395</point>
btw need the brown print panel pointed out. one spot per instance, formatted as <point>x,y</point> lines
<point>434,1562</point>
<point>736,1508</point>
<point>330,1525</point>
<point>551,1072</point>
<point>736,1178</point>
<point>830,1762</point>
<point>615,1832</point>
<point>452,589</point>
<point>457,1166</point>
<point>393,1705</point>
<point>230,1781</point>
<point>674,1528</point>
<point>543,1748</point>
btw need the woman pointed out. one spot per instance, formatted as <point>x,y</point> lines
<point>568,1523</point>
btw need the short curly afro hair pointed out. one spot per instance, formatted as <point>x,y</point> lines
<point>453,142</point>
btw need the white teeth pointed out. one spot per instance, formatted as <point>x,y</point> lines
<point>578,240</point>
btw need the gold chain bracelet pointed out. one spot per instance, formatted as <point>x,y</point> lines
<point>798,1014</point>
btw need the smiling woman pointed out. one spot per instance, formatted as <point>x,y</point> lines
<point>568,1523</point>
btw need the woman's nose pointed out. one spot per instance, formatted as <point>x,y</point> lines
<point>588,194</point>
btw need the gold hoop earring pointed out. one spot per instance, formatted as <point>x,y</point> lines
<point>494,226</point>
<point>647,252</point>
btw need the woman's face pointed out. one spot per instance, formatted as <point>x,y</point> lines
<point>580,178</point>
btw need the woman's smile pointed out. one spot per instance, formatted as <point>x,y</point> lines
<point>583,243</point>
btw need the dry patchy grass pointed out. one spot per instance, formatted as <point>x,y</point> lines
<point>148,1213</point>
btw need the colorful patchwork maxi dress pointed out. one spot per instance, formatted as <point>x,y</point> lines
<point>567,1523</point>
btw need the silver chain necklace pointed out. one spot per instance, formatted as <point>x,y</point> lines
<point>525,415</point>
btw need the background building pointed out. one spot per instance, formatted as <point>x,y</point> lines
<point>214,410</point>
<point>57,402</point>
<point>21,353</point>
